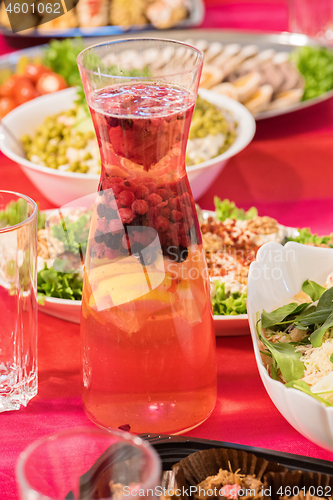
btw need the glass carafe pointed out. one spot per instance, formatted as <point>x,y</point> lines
<point>146,326</point>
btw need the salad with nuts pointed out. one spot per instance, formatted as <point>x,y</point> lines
<point>231,238</point>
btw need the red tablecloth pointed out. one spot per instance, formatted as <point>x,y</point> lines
<point>286,172</point>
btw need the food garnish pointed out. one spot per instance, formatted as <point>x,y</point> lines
<point>307,238</point>
<point>16,212</point>
<point>60,56</point>
<point>297,341</point>
<point>62,285</point>
<point>227,304</point>
<point>226,209</point>
<point>316,66</point>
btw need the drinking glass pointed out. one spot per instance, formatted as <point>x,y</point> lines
<point>147,327</point>
<point>18,302</point>
<point>88,463</point>
<point>311,17</point>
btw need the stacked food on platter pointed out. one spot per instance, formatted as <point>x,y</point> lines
<point>264,80</point>
<point>124,13</point>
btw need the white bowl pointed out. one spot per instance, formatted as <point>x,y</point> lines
<point>274,279</point>
<point>63,187</point>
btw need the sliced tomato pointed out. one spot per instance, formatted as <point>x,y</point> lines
<point>6,105</point>
<point>6,89</point>
<point>50,82</point>
<point>35,71</point>
<point>24,90</point>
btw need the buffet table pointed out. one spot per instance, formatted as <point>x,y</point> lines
<point>286,172</point>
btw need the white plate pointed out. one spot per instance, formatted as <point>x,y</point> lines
<point>70,310</point>
<point>225,326</point>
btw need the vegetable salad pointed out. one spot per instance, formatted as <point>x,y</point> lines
<point>67,141</point>
<point>297,341</point>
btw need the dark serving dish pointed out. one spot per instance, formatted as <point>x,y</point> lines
<point>172,449</point>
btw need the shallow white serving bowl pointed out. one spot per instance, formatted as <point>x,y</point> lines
<point>62,187</point>
<point>274,279</point>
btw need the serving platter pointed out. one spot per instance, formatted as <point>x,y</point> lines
<point>281,42</point>
<point>195,18</point>
<point>70,310</point>
<point>225,326</point>
<point>181,470</point>
<point>172,449</point>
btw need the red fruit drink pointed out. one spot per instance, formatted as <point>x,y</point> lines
<point>147,328</point>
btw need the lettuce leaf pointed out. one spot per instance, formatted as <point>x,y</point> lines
<point>285,355</point>
<point>228,304</point>
<point>52,283</point>
<point>226,209</point>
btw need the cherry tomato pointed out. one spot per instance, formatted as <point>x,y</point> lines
<point>24,90</point>
<point>6,105</point>
<point>6,89</point>
<point>50,82</point>
<point>35,71</point>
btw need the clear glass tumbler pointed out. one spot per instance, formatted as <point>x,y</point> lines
<point>147,329</point>
<point>88,463</point>
<point>18,300</point>
<point>311,17</point>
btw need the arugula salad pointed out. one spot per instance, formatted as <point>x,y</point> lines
<point>297,341</point>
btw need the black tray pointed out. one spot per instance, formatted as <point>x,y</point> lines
<point>172,449</point>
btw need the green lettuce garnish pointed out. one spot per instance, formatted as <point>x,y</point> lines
<point>316,66</point>
<point>60,56</point>
<point>228,304</point>
<point>314,290</point>
<point>226,209</point>
<point>52,283</point>
<point>304,387</point>
<point>306,237</point>
<point>74,235</point>
<point>316,321</point>
<point>16,212</point>
<point>285,355</point>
